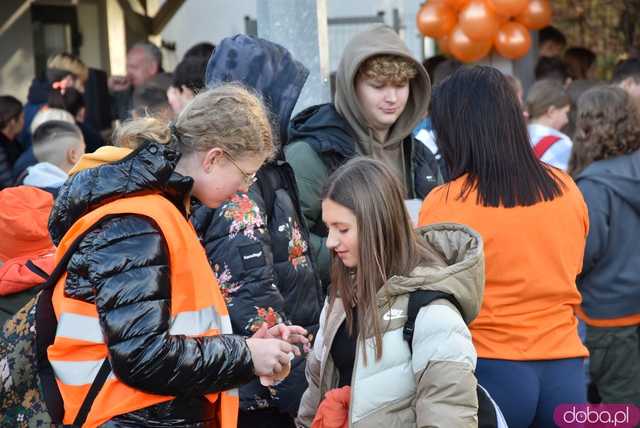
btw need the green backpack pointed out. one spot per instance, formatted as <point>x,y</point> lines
<point>29,394</point>
<point>21,402</point>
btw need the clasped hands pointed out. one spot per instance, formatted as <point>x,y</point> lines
<point>272,350</point>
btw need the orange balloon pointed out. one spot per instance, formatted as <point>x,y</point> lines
<point>436,19</point>
<point>513,40</point>
<point>465,49</point>
<point>508,7</point>
<point>536,15</point>
<point>443,45</point>
<point>479,21</point>
<point>456,5</point>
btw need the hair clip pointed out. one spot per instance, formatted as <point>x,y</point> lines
<point>175,135</point>
<point>61,85</point>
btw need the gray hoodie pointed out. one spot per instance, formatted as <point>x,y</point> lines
<point>610,279</point>
<point>380,40</point>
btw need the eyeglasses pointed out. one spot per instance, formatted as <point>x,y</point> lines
<point>247,179</point>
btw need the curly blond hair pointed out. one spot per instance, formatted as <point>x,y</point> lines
<point>392,69</point>
<point>607,125</point>
<point>228,117</point>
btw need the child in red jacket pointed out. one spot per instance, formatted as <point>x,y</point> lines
<point>26,250</point>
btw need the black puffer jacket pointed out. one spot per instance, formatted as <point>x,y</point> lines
<point>257,242</point>
<point>122,266</point>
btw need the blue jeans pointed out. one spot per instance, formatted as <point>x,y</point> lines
<point>529,391</point>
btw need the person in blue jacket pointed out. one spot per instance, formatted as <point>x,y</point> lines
<point>606,166</point>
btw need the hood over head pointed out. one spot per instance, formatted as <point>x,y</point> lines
<point>265,67</point>
<point>379,40</point>
<point>24,212</point>
<point>620,174</point>
<point>17,276</point>
<point>461,248</point>
<point>113,172</point>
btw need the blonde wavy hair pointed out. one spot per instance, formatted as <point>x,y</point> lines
<point>392,69</point>
<point>228,117</point>
<point>607,125</point>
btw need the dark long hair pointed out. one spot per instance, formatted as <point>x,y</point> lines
<point>387,242</point>
<point>481,132</point>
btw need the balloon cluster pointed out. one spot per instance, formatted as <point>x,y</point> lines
<point>468,29</point>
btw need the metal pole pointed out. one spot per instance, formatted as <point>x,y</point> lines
<point>301,27</point>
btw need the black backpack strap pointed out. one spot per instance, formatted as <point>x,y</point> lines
<point>36,269</point>
<point>46,325</point>
<point>96,386</point>
<point>418,299</point>
<point>487,416</point>
<point>268,182</point>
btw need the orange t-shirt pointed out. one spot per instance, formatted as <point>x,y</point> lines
<point>532,257</point>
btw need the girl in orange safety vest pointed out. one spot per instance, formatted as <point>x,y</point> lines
<point>139,292</point>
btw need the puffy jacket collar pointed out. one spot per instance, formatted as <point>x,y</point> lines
<point>325,130</point>
<point>148,169</point>
<point>462,275</point>
<point>264,66</point>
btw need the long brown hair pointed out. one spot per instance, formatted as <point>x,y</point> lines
<point>388,244</point>
<point>607,125</point>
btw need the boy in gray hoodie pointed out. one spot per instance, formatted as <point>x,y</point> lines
<point>382,93</point>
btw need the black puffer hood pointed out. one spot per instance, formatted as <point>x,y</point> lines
<point>263,66</point>
<point>325,130</point>
<point>149,168</point>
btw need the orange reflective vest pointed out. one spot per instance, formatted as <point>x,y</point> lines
<point>197,309</point>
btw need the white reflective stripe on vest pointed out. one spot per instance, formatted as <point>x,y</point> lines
<point>79,327</point>
<point>77,372</point>
<point>232,392</point>
<point>195,323</point>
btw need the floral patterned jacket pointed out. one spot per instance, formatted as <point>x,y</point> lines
<point>257,243</point>
<point>264,268</point>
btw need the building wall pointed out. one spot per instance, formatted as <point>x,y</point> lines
<point>91,18</point>
<point>17,66</point>
<point>196,21</point>
<point>205,20</point>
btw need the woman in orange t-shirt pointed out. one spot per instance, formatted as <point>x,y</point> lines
<point>534,224</point>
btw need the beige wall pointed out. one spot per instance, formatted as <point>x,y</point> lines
<point>17,66</point>
<point>91,21</point>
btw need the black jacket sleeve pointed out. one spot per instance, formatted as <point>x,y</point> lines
<point>122,265</point>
